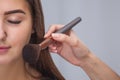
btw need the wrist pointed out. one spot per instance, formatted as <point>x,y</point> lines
<point>86,60</point>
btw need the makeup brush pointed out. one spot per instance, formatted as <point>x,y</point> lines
<point>31,51</point>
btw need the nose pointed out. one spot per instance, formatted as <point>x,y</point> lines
<point>2,33</point>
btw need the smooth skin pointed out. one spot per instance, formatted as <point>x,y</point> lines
<point>72,49</point>
<point>15,32</point>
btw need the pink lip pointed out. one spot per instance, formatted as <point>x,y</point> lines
<point>4,49</point>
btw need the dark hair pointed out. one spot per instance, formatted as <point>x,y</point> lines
<point>45,64</point>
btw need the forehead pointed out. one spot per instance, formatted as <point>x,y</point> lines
<point>7,5</point>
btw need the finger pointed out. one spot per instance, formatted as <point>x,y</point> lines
<point>53,51</point>
<point>52,29</point>
<point>71,40</point>
<point>55,47</point>
<point>52,48</point>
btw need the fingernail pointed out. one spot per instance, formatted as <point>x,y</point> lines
<point>55,35</point>
<point>45,35</point>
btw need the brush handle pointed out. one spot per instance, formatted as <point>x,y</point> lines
<point>64,29</point>
<point>69,25</point>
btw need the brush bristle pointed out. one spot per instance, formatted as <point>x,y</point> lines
<point>31,53</point>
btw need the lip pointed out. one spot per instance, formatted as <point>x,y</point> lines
<point>4,49</point>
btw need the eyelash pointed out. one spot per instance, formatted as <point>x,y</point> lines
<point>14,22</point>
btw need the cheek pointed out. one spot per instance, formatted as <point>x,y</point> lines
<point>19,36</point>
<point>22,37</point>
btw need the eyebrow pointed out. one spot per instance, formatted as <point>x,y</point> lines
<point>14,11</point>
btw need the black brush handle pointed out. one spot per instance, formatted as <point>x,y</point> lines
<point>64,29</point>
<point>69,25</point>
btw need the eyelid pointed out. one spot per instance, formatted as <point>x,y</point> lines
<point>15,17</point>
<point>14,22</point>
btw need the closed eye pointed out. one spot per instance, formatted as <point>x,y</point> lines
<point>14,22</point>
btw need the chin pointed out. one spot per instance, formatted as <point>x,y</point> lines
<point>6,60</point>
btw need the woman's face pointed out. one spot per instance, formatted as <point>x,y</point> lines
<point>15,29</point>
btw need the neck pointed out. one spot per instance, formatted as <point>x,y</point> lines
<point>13,71</point>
